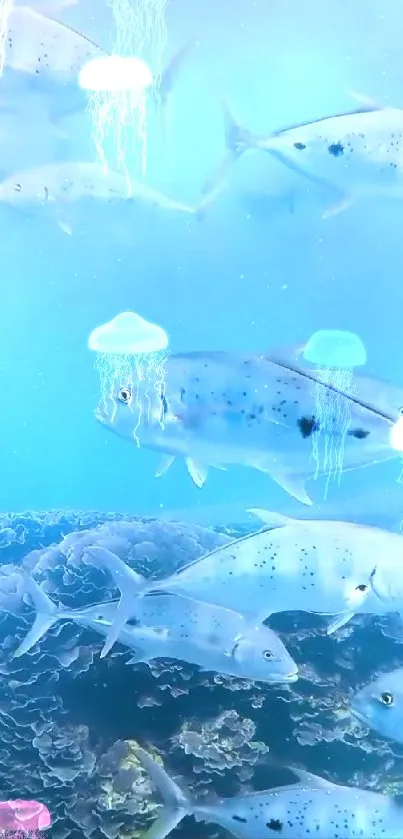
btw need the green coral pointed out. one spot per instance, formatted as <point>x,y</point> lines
<point>138,800</point>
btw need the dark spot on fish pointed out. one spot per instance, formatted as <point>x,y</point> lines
<point>299,146</point>
<point>182,393</point>
<point>336,149</point>
<point>307,426</point>
<point>275,824</point>
<point>359,433</point>
<point>164,404</point>
<point>239,819</point>
<point>18,187</point>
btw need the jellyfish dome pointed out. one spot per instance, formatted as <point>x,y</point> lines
<point>115,73</point>
<point>128,334</point>
<point>335,348</point>
<point>396,435</point>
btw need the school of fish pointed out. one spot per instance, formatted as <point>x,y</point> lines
<point>219,409</point>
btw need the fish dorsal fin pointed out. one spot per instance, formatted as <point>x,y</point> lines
<point>305,779</point>
<point>291,366</point>
<point>288,353</point>
<point>270,518</point>
<point>311,780</point>
<point>366,102</point>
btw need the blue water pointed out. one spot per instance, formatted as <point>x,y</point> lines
<point>262,270</point>
<point>250,277</point>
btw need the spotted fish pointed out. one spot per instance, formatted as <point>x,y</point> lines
<point>67,182</point>
<point>311,807</point>
<point>168,626</point>
<point>323,567</point>
<point>354,154</point>
<point>379,705</point>
<point>219,409</point>
<point>45,53</point>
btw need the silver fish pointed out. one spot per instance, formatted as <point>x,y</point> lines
<point>311,807</point>
<point>45,54</point>
<point>169,626</point>
<point>323,567</point>
<point>356,153</point>
<point>38,45</point>
<point>67,182</point>
<point>219,408</point>
<point>380,705</point>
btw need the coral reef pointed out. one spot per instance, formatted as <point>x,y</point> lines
<point>68,719</point>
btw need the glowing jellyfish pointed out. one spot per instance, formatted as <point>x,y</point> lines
<point>119,85</point>
<point>5,9</point>
<point>131,355</point>
<point>396,441</point>
<point>336,353</point>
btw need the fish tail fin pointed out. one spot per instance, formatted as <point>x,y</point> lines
<point>130,584</point>
<point>176,804</point>
<point>207,200</point>
<point>238,140</point>
<point>47,614</point>
<point>165,83</point>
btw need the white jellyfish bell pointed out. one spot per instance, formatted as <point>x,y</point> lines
<point>117,88</point>
<point>335,354</point>
<point>111,73</point>
<point>130,357</point>
<point>396,434</point>
<point>118,85</point>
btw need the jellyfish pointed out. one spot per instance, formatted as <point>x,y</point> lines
<point>5,9</point>
<point>131,354</point>
<point>336,354</point>
<point>396,442</point>
<point>118,85</point>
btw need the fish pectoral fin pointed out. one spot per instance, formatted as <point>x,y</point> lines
<point>163,87</point>
<point>65,227</point>
<point>165,464</point>
<point>197,471</point>
<point>139,657</point>
<point>338,621</point>
<point>292,484</point>
<point>335,209</point>
<point>148,642</point>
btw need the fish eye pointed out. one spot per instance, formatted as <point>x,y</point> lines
<point>362,587</point>
<point>268,655</point>
<point>125,395</point>
<point>387,699</point>
<point>400,411</point>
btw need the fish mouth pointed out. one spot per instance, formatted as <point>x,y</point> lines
<point>284,678</point>
<point>358,715</point>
